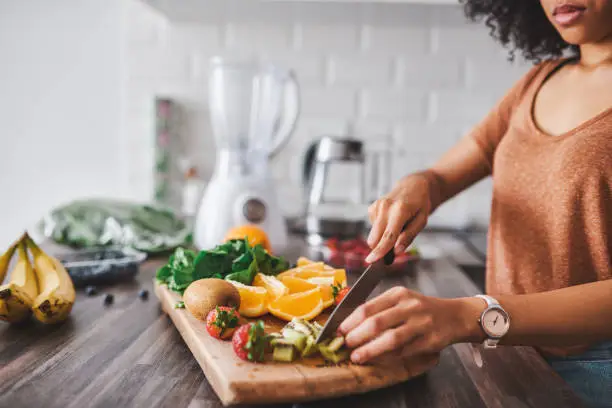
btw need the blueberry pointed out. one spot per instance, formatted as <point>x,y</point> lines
<point>143,294</point>
<point>109,299</point>
<point>91,291</point>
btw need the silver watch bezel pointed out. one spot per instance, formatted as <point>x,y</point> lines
<point>503,312</point>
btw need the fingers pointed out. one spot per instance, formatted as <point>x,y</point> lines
<point>382,302</point>
<point>399,215</point>
<point>379,223</point>
<point>390,340</point>
<point>371,327</point>
<point>392,229</point>
<point>411,231</point>
<point>421,345</point>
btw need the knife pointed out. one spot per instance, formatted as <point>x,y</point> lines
<point>356,295</point>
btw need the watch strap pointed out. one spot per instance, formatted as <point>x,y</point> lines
<point>490,300</point>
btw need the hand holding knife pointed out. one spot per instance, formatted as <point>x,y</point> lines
<point>358,293</point>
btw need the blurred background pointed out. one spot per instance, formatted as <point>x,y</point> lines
<point>109,98</point>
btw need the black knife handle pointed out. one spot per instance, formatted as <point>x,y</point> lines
<point>389,257</point>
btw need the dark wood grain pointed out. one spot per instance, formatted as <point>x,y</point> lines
<point>130,355</point>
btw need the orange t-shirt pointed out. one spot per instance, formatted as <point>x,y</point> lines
<point>551,215</point>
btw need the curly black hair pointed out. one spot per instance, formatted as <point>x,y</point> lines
<point>521,26</point>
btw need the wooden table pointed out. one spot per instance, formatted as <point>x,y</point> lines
<point>130,355</point>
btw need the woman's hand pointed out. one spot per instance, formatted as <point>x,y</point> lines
<point>407,204</point>
<point>408,323</point>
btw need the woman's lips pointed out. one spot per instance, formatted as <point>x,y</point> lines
<point>567,14</point>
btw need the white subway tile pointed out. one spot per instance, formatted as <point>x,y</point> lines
<point>383,40</point>
<point>461,107</point>
<point>253,37</point>
<point>206,39</point>
<point>398,15</point>
<point>465,41</point>
<point>360,71</point>
<point>309,68</point>
<point>328,102</point>
<point>329,38</point>
<point>429,140</point>
<point>482,73</point>
<point>430,72</point>
<point>370,131</point>
<point>394,104</point>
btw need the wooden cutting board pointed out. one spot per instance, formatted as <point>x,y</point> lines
<point>237,381</point>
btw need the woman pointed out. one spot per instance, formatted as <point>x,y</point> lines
<point>548,145</point>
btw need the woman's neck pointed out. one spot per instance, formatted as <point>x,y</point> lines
<point>595,54</point>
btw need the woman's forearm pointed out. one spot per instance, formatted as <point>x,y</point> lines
<point>576,315</point>
<point>459,168</point>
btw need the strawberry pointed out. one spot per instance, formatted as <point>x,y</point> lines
<point>250,341</point>
<point>221,322</point>
<point>339,293</point>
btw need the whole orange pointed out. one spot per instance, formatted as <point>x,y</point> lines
<point>253,233</point>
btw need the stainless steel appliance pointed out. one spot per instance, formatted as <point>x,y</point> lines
<point>339,213</point>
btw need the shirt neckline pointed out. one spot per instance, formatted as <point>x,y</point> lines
<point>532,122</point>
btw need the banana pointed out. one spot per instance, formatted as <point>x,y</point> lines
<point>17,296</point>
<point>5,259</point>
<point>54,302</point>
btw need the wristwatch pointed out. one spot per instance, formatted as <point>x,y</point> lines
<point>494,321</point>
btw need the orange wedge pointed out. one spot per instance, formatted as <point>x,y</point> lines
<point>296,285</point>
<point>339,275</point>
<point>253,300</point>
<point>302,305</point>
<point>303,261</point>
<point>275,287</point>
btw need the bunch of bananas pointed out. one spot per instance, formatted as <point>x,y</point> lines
<point>43,289</point>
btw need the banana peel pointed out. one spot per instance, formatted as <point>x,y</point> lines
<point>17,296</point>
<point>6,257</point>
<point>57,295</point>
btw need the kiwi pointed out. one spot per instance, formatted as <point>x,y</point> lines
<point>204,295</point>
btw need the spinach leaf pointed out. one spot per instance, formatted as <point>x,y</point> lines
<point>244,276</point>
<point>242,262</point>
<point>279,265</point>
<point>177,287</point>
<point>209,263</point>
<point>263,259</point>
<point>163,274</point>
<point>181,258</point>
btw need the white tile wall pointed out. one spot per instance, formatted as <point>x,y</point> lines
<point>418,76</point>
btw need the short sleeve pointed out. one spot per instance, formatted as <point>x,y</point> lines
<point>490,131</point>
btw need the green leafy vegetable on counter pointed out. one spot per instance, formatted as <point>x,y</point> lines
<point>234,260</point>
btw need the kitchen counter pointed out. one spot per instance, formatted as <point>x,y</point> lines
<point>129,354</point>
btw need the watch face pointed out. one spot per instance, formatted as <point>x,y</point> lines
<point>495,322</point>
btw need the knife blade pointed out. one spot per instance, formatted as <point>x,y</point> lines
<point>356,295</point>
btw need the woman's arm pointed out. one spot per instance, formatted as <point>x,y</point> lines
<point>463,165</point>
<point>570,316</point>
<point>407,322</point>
<point>417,195</point>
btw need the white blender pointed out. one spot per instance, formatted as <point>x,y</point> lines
<point>253,110</point>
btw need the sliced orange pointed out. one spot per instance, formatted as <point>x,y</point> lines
<point>339,275</point>
<point>296,285</point>
<point>303,261</point>
<point>327,294</point>
<point>253,300</point>
<point>302,305</point>
<point>275,287</point>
